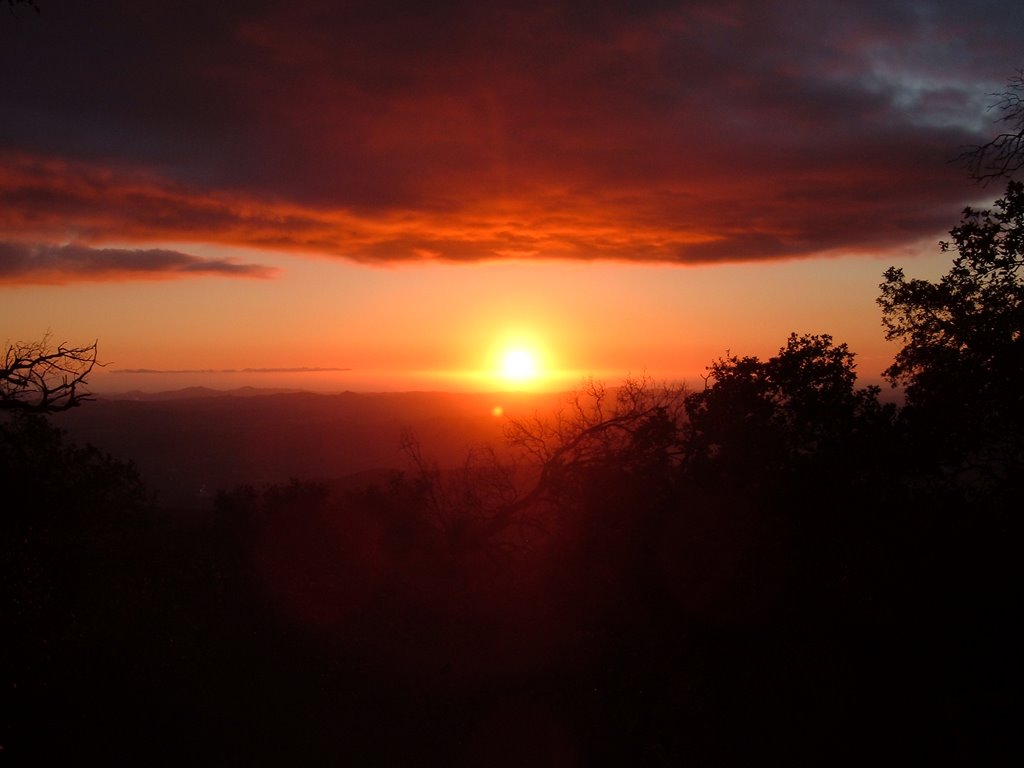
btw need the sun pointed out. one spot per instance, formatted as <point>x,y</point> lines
<point>519,361</point>
<point>519,365</point>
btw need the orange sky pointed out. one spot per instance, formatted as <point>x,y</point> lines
<point>402,190</point>
<point>438,326</point>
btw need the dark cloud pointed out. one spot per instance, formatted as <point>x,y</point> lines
<point>24,263</point>
<point>668,131</point>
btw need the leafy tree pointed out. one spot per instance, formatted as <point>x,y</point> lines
<point>961,362</point>
<point>962,355</point>
<point>758,421</point>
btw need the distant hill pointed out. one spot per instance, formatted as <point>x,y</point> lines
<point>190,443</point>
<point>195,392</point>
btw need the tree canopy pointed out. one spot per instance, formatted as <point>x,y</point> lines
<point>756,419</point>
<point>961,359</point>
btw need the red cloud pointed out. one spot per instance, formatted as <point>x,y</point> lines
<point>712,223</point>
<point>383,132</point>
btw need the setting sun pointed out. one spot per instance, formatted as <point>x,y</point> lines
<point>519,365</point>
<point>520,361</point>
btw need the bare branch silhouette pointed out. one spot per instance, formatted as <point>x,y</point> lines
<point>596,427</point>
<point>1003,156</point>
<point>36,377</point>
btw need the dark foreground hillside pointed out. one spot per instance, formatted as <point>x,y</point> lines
<point>816,607</point>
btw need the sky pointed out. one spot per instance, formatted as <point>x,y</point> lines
<point>392,195</point>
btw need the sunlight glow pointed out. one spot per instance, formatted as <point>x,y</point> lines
<point>519,361</point>
<point>519,365</point>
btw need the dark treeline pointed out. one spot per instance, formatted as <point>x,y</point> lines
<point>775,566</point>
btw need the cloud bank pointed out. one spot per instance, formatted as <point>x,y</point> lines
<point>678,132</point>
<point>56,264</point>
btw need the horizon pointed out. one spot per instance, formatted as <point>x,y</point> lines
<point>770,306</point>
<point>383,383</point>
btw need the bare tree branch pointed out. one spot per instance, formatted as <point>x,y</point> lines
<point>592,431</point>
<point>489,505</point>
<point>1003,156</point>
<point>36,377</point>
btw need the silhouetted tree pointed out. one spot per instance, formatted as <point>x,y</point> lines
<point>70,523</point>
<point>36,377</point>
<point>796,460</point>
<point>478,506</point>
<point>633,428</point>
<point>757,422</point>
<point>962,355</point>
<point>961,362</point>
<point>30,3</point>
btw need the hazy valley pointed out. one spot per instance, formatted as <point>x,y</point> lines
<point>190,443</point>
